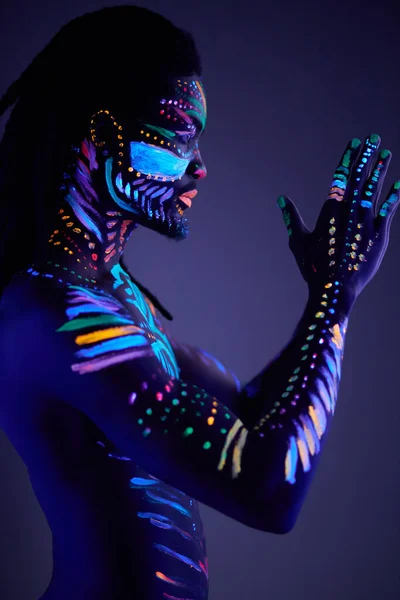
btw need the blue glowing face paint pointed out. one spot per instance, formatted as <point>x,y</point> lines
<point>148,159</point>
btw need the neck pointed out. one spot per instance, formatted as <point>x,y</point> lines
<point>87,236</point>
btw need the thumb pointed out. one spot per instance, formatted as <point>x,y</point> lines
<point>293,221</point>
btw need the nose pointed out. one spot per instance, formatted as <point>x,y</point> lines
<point>200,173</point>
<point>196,167</point>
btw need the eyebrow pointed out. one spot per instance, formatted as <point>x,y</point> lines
<point>190,117</point>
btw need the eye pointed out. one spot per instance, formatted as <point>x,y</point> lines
<point>185,136</point>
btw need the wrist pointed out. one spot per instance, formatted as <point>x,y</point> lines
<point>330,301</point>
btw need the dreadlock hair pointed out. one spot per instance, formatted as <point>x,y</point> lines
<point>115,57</point>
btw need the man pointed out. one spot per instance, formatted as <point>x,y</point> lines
<point>121,427</point>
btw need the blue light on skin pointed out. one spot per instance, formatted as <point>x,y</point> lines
<point>170,503</point>
<point>291,461</point>
<point>128,341</point>
<point>157,162</point>
<point>183,558</point>
<point>140,482</point>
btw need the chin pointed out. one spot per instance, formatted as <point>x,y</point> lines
<point>174,226</point>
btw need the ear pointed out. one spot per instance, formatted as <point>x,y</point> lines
<point>107,135</point>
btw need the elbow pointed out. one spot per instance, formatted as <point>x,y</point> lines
<point>285,526</point>
<point>283,514</point>
<point>278,526</point>
<point>278,522</point>
<point>267,519</point>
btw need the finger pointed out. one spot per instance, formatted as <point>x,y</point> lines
<point>291,215</point>
<point>362,168</point>
<point>388,209</point>
<point>342,174</point>
<point>369,196</point>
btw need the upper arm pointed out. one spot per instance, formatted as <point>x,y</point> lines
<point>108,367</point>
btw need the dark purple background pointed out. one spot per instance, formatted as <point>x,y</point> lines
<point>288,84</point>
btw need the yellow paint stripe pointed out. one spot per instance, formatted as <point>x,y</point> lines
<point>314,418</point>
<point>303,452</point>
<point>106,334</point>
<point>337,336</point>
<point>237,452</point>
<point>199,87</point>
<point>228,440</point>
<point>309,437</point>
<point>151,306</point>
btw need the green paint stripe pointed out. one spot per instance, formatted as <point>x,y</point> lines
<point>92,321</point>
<point>162,131</point>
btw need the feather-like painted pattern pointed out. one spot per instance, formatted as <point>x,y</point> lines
<point>113,337</point>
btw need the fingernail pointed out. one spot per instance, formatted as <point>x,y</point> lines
<point>385,153</point>
<point>355,143</point>
<point>374,138</point>
<point>281,202</point>
<point>397,185</point>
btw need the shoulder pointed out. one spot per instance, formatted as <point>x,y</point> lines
<point>24,300</point>
<point>33,310</point>
<point>26,290</point>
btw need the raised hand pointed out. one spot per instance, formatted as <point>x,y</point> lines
<point>351,235</point>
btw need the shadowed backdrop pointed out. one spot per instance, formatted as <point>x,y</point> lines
<point>288,84</point>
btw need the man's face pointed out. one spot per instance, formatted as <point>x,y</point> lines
<point>160,159</point>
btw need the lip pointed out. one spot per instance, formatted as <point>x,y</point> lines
<point>190,194</point>
<point>187,197</point>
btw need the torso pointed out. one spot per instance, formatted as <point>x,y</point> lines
<point>118,532</point>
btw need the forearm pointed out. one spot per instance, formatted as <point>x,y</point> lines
<point>290,404</point>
